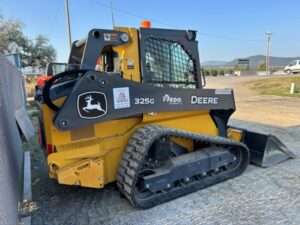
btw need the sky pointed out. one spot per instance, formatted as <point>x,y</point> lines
<point>227,29</point>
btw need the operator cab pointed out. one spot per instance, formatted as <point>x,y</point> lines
<point>161,57</point>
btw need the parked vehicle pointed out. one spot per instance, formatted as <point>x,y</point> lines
<point>293,67</point>
<point>52,69</point>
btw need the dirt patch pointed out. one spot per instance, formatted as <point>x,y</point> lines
<point>30,82</point>
<point>253,106</point>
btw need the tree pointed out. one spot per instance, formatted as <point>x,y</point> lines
<point>12,39</point>
<point>262,66</point>
<point>230,71</point>
<point>35,53</point>
<point>206,72</point>
<point>40,52</point>
<point>221,72</point>
<point>214,72</point>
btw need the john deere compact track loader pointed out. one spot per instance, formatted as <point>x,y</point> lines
<point>133,110</point>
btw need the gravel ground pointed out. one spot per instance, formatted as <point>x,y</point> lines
<point>260,196</point>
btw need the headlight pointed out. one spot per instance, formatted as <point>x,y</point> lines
<point>124,37</point>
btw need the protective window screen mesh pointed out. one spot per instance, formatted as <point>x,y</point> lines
<point>169,64</point>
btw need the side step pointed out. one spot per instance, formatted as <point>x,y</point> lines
<point>265,150</point>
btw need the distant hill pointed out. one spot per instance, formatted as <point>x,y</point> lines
<point>254,61</point>
<point>214,63</point>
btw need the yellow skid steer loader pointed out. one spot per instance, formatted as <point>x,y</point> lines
<point>132,109</point>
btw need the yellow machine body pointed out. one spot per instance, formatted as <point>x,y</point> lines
<point>90,156</point>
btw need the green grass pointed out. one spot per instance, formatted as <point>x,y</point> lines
<point>276,86</point>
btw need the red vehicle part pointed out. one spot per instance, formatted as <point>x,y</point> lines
<point>40,80</point>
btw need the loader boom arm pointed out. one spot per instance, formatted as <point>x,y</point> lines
<point>121,98</point>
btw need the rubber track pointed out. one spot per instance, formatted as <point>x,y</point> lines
<point>136,152</point>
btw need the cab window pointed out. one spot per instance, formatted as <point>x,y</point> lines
<point>169,64</point>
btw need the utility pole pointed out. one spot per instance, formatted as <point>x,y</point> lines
<point>112,14</point>
<point>268,36</point>
<point>68,22</point>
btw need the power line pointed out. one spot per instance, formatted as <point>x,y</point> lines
<point>225,37</point>
<point>108,6</point>
<point>128,13</point>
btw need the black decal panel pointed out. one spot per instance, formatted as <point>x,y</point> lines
<point>98,97</point>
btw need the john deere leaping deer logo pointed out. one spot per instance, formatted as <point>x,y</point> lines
<point>91,105</point>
